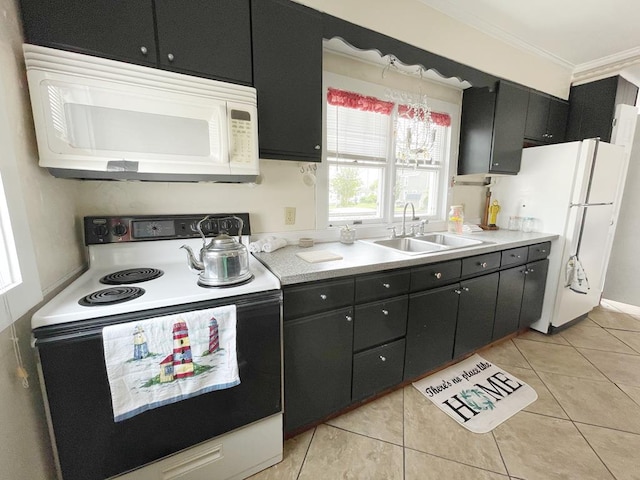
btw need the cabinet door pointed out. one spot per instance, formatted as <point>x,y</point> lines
<point>509,302</point>
<point>317,366</point>
<point>431,328</point>
<point>287,72</point>
<point>557,122</point>
<point>117,29</point>
<point>537,115</point>
<point>508,128</point>
<point>536,280</point>
<point>476,313</point>
<point>211,38</point>
<point>377,368</point>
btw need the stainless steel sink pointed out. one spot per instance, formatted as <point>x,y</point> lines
<point>448,240</point>
<point>411,246</point>
<point>429,243</point>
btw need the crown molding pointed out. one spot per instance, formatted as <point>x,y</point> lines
<point>605,66</point>
<point>463,16</point>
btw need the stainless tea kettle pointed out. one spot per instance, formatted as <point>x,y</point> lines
<point>223,262</point>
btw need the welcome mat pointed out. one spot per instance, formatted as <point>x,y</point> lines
<point>476,393</point>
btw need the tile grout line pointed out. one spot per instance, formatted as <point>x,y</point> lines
<point>306,453</point>
<point>506,469</point>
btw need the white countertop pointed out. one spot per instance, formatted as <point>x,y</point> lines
<point>365,257</point>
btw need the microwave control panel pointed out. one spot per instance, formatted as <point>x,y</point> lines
<point>242,149</point>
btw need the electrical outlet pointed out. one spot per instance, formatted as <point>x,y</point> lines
<point>289,215</point>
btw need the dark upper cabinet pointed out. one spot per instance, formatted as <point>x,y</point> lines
<point>205,36</point>
<point>118,29</point>
<point>493,121</point>
<point>209,38</point>
<point>287,73</point>
<point>592,107</point>
<point>546,119</point>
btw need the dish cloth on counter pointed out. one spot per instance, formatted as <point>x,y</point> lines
<point>155,362</point>
<point>256,246</point>
<point>273,245</point>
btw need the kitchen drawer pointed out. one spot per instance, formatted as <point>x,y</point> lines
<point>382,285</point>
<point>317,297</point>
<point>436,275</point>
<point>377,369</point>
<point>514,256</point>
<point>539,251</point>
<point>380,322</point>
<point>480,263</point>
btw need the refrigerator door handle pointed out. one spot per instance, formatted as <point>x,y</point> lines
<point>590,204</point>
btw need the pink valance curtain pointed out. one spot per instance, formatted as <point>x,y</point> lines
<point>441,119</point>
<point>342,98</point>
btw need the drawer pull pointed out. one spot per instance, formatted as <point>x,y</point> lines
<point>543,251</point>
<point>386,285</point>
<point>348,317</point>
<point>515,256</point>
<point>483,264</point>
<point>323,296</point>
<point>385,312</point>
<point>438,275</point>
<point>144,50</point>
<point>466,289</point>
<point>457,291</point>
<point>384,359</point>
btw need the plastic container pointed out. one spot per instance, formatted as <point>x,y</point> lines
<point>528,224</point>
<point>455,219</point>
<point>515,223</point>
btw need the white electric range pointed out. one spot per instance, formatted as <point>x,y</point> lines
<point>137,271</point>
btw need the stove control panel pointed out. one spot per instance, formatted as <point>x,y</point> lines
<point>112,229</point>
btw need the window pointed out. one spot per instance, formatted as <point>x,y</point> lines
<point>369,176</point>
<point>19,282</point>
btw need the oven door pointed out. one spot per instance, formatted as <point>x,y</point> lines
<point>90,445</point>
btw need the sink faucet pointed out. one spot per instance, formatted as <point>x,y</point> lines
<point>403,232</point>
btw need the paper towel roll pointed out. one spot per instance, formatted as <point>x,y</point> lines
<point>273,245</point>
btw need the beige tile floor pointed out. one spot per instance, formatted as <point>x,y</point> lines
<point>585,424</point>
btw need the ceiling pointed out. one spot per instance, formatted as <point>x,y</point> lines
<point>583,35</point>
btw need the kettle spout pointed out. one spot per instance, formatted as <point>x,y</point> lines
<point>194,264</point>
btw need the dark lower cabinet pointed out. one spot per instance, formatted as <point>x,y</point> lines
<point>475,313</point>
<point>431,329</point>
<point>533,294</point>
<point>509,302</point>
<point>317,366</point>
<point>377,369</point>
<point>287,73</point>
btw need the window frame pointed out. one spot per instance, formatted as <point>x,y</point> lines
<point>389,217</point>
<point>28,292</point>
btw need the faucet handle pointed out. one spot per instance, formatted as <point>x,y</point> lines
<point>413,228</point>
<point>422,224</point>
<point>393,231</point>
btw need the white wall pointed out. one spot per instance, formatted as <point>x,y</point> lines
<point>55,207</point>
<point>426,28</point>
<point>622,282</point>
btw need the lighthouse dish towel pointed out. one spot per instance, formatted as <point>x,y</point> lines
<point>155,362</point>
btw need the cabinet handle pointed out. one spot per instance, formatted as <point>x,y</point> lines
<point>542,251</point>
<point>384,359</point>
<point>483,264</point>
<point>457,291</point>
<point>438,275</point>
<point>497,164</point>
<point>348,318</point>
<point>531,270</point>
<point>170,57</point>
<point>526,272</point>
<point>515,256</point>
<point>144,50</point>
<point>317,147</point>
<point>385,312</point>
<point>386,285</point>
<point>323,296</point>
<point>549,135</point>
<point>466,289</point>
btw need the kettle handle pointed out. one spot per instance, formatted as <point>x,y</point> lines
<point>199,229</point>
<point>240,227</point>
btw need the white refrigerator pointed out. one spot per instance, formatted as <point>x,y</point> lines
<point>571,189</point>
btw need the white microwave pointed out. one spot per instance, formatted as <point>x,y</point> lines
<point>101,119</point>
